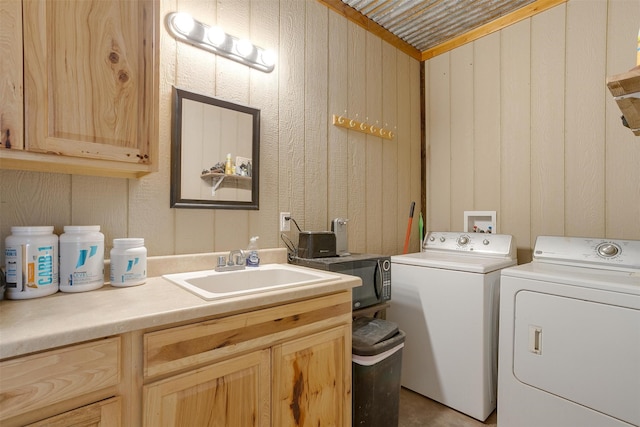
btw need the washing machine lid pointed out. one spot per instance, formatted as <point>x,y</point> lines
<point>613,281</point>
<point>458,262</point>
<point>472,252</point>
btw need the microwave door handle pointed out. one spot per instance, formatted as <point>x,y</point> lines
<point>377,279</point>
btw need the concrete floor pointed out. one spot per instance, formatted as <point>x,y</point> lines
<point>419,411</point>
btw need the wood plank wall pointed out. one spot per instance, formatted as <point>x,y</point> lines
<point>309,167</point>
<point>521,122</point>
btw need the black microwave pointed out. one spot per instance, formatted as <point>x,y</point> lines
<point>374,270</point>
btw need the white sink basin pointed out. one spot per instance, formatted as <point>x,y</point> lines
<point>211,285</point>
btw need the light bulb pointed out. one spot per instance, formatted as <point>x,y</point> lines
<point>216,36</point>
<point>183,22</point>
<point>244,47</point>
<point>268,57</point>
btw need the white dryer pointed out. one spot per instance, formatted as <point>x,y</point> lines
<point>445,299</point>
<point>570,335</point>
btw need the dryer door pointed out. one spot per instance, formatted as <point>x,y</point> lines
<point>583,351</point>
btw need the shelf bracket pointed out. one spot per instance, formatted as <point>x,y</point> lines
<point>215,183</point>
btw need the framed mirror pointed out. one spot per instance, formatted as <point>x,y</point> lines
<point>215,153</point>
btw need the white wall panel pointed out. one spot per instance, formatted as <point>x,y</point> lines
<point>317,165</point>
<point>549,152</point>
<point>389,167</point>
<point>547,125</point>
<point>356,83</point>
<point>401,141</point>
<point>584,118</point>
<point>414,141</point>
<point>439,149</point>
<point>291,166</point>
<point>462,134</point>
<point>264,28</point>
<point>487,120</point>
<point>337,103</point>
<point>515,137</point>
<point>92,203</point>
<point>374,144</point>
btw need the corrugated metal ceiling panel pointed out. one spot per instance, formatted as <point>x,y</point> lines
<point>425,24</point>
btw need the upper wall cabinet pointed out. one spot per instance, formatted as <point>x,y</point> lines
<point>90,88</point>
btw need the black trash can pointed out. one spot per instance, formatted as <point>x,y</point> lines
<point>376,363</point>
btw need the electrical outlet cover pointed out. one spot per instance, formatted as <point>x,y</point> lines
<point>285,225</point>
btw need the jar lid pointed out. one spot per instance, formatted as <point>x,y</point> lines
<point>29,230</point>
<point>77,228</point>
<point>128,242</point>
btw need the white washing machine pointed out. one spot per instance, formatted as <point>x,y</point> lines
<point>570,335</point>
<point>445,299</point>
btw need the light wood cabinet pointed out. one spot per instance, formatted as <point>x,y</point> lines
<point>57,381</point>
<point>283,366</point>
<point>107,413</point>
<point>308,380</point>
<point>280,366</point>
<point>90,87</point>
<point>11,92</point>
<point>235,392</point>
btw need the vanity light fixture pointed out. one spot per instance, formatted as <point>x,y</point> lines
<point>185,28</point>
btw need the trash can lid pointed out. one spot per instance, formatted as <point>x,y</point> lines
<point>370,331</point>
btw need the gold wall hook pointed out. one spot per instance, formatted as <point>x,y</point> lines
<point>363,127</point>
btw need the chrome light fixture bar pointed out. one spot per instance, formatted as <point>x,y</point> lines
<point>185,28</point>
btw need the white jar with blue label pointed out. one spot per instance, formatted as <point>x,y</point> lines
<point>128,263</point>
<point>81,258</point>
<point>31,262</point>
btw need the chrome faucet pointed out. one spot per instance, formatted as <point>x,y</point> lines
<point>236,263</point>
<point>239,260</point>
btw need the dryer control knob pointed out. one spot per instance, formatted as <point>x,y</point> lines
<point>432,239</point>
<point>485,242</point>
<point>608,250</point>
<point>442,239</point>
<point>463,240</point>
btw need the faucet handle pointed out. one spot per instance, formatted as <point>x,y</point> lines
<point>222,261</point>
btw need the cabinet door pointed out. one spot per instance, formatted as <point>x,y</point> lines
<point>107,413</point>
<point>90,78</point>
<point>312,380</point>
<point>68,374</point>
<point>11,93</point>
<point>235,392</point>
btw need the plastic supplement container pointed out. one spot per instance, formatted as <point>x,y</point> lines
<point>128,262</point>
<point>81,258</point>
<point>31,262</point>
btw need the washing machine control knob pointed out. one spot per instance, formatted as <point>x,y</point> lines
<point>442,239</point>
<point>608,250</point>
<point>432,239</point>
<point>463,240</point>
<point>485,242</point>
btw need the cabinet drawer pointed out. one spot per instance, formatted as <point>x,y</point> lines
<point>106,413</point>
<point>36,381</point>
<point>187,346</point>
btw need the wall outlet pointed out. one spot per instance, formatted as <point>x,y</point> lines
<point>285,225</point>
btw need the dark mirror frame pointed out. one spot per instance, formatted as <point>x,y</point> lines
<point>177,201</point>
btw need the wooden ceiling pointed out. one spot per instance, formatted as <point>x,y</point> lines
<point>426,28</point>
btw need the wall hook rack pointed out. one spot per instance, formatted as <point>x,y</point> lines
<point>363,127</point>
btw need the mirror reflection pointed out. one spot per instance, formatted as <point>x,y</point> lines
<point>215,153</point>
